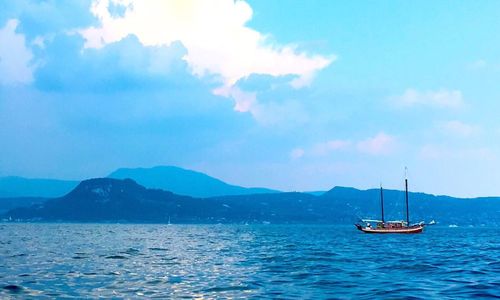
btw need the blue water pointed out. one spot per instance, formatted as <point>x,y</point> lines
<point>238,261</point>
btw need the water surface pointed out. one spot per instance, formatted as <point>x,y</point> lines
<point>252,261</point>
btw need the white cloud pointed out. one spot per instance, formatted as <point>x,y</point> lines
<point>380,144</point>
<point>244,101</point>
<point>15,57</point>
<point>39,42</point>
<point>442,98</point>
<point>458,128</point>
<point>478,64</point>
<point>215,36</point>
<point>271,113</point>
<point>297,153</point>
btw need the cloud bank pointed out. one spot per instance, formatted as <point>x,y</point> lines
<point>218,43</point>
<point>379,144</point>
<point>442,98</point>
<point>458,128</point>
<point>15,57</point>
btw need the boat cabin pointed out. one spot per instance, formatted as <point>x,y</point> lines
<point>395,224</point>
<point>386,224</point>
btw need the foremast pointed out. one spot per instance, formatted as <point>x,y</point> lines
<point>382,202</point>
<point>406,197</point>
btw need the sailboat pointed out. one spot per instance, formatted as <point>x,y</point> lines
<point>383,226</point>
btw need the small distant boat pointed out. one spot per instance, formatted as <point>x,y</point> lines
<point>382,226</point>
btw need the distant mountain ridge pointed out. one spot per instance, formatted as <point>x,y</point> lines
<point>170,178</point>
<point>107,199</point>
<point>14,186</point>
<point>8,203</point>
<point>423,207</point>
<point>115,200</point>
<point>184,182</point>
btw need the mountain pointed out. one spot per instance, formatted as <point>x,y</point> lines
<point>11,187</point>
<point>22,192</point>
<point>423,207</point>
<point>7,204</point>
<point>315,193</point>
<point>184,182</point>
<point>107,199</point>
<point>101,199</point>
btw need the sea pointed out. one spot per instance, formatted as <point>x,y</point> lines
<point>139,261</point>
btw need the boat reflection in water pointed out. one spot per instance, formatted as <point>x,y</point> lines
<point>382,226</point>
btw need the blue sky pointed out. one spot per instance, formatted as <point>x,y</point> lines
<point>290,95</point>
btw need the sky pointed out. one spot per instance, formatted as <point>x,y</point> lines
<point>292,95</point>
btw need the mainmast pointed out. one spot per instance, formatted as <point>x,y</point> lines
<point>382,202</point>
<point>406,194</point>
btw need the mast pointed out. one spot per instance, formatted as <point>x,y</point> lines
<point>382,202</point>
<point>406,194</point>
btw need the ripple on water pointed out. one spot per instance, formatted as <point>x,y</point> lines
<point>12,288</point>
<point>158,249</point>
<point>132,251</point>
<point>227,288</point>
<point>116,257</point>
<point>114,273</point>
<point>154,282</point>
<point>19,255</point>
<point>175,279</point>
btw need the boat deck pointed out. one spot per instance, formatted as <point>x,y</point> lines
<point>410,229</point>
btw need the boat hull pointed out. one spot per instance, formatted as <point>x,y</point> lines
<point>404,230</point>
